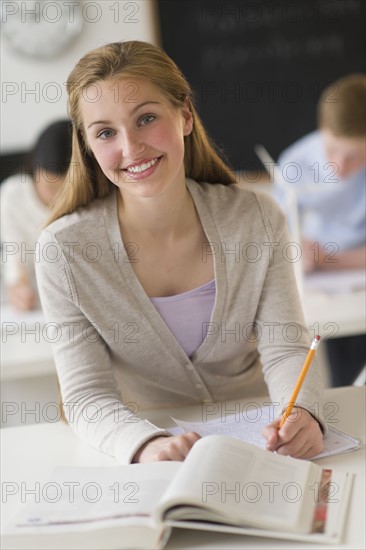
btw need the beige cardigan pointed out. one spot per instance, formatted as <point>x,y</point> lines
<point>113,350</point>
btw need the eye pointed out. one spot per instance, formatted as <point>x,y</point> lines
<point>105,134</point>
<point>146,119</point>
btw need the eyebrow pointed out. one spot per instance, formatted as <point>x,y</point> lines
<point>136,108</point>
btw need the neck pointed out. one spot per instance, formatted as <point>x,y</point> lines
<point>165,217</point>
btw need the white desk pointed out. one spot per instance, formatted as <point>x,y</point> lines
<point>25,345</point>
<point>28,372</point>
<point>345,312</point>
<point>29,453</point>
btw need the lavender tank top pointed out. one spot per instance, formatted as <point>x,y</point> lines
<point>187,314</point>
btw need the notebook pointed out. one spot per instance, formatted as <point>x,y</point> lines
<point>247,425</point>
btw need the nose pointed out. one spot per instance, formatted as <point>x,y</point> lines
<point>131,145</point>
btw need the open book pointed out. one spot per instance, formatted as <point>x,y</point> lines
<point>224,484</point>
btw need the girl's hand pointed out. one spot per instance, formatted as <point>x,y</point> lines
<point>299,437</point>
<point>166,448</point>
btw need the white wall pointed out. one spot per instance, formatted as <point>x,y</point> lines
<point>25,114</point>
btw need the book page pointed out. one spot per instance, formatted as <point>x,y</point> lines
<point>328,522</point>
<point>243,485</point>
<point>92,495</point>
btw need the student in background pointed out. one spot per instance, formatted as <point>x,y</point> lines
<point>25,206</point>
<point>333,218</point>
<point>153,312</point>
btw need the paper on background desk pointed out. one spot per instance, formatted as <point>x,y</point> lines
<point>11,315</point>
<point>248,427</point>
<point>339,282</point>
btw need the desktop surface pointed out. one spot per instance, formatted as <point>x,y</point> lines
<point>29,454</point>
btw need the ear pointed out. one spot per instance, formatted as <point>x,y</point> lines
<point>187,119</point>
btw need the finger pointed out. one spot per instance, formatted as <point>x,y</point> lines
<point>290,442</point>
<point>178,447</point>
<point>295,448</point>
<point>187,442</point>
<point>305,453</point>
<point>192,436</point>
<point>270,432</point>
<point>291,438</point>
<point>170,452</point>
<point>291,428</point>
<point>307,440</point>
<point>171,449</point>
<point>313,450</point>
<point>298,420</point>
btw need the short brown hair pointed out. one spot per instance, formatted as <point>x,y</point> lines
<point>342,107</point>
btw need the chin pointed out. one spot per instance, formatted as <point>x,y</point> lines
<point>142,188</point>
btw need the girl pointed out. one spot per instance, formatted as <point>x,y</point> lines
<point>169,283</point>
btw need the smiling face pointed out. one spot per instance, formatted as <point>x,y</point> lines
<point>136,135</point>
<point>348,153</point>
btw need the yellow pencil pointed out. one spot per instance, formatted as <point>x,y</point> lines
<point>300,380</point>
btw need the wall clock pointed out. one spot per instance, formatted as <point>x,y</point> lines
<point>40,28</point>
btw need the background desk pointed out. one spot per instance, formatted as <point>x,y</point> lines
<point>345,311</point>
<point>28,372</point>
<point>29,453</point>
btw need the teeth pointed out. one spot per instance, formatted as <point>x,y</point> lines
<point>142,167</point>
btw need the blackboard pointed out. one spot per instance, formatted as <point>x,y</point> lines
<point>258,66</point>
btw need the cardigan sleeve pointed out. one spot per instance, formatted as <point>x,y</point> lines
<point>91,400</point>
<point>284,340</point>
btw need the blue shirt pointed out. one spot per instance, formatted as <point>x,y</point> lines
<point>331,209</point>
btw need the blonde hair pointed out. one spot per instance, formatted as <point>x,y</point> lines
<point>85,180</point>
<point>342,107</point>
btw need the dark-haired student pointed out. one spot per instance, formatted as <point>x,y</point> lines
<point>25,206</point>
